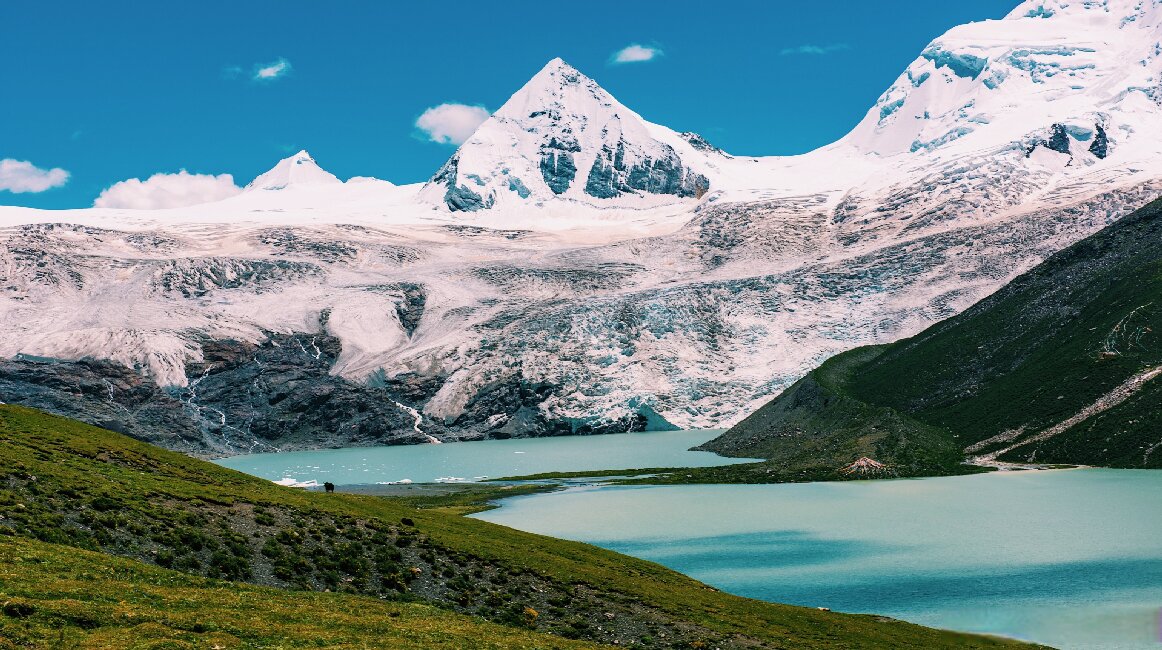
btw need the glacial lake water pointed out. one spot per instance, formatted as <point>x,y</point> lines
<point>489,458</point>
<point>1070,558</point>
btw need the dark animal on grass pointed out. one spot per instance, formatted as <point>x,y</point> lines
<point>329,487</point>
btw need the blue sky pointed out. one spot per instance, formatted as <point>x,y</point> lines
<point>114,90</point>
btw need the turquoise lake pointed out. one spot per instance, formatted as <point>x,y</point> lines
<point>489,458</point>
<point>1070,558</point>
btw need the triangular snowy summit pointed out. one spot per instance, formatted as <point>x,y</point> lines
<point>299,169</point>
<point>562,135</point>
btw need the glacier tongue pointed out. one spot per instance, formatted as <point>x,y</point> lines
<point>575,268</point>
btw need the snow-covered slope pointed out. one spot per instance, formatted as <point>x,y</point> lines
<point>295,171</point>
<point>1086,70</point>
<point>574,267</point>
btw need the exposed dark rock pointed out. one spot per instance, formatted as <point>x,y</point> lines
<point>580,280</point>
<point>280,395</point>
<point>196,277</point>
<point>517,185</point>
<point>558,170</point>
<point>458,198</point>
<point>299,242</point>
<point>1058,141</point>
<point>603,176</point>
<point>510,409</point>
<point>411,309</point>
<point>104,394</point>
<point>610,176</point>
<point>702,144</point>
<point>1101,143</point>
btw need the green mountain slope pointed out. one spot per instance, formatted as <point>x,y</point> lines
<point>1056,367</point>
<point>62,597</point>
<point>74,496</point>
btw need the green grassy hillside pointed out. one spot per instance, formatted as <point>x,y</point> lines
<point>73,496</point>
<point>54,596</point>
<point>1025,374</point>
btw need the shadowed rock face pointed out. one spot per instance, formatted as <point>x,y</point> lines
<point>280,396</point>
<point>194,278</point>
<point>1060,140</point>
<point>458,198</point>
<point>242,397</point>
<point>104,394</point>
<point>610,176</point>
<point>557,166</point>
<point>1101,143</point>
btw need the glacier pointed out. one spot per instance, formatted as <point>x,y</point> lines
<point>574,268</point>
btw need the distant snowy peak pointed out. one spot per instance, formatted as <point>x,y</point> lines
<point>1079,76</point>
<point>299,169</point>
<point>562,135</point>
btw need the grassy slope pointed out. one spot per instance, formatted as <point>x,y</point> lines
<point>76,486</point>
<point>1030,356</point>
<point>59,596</point>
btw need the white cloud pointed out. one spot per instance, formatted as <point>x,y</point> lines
<point>451,123</point>
<point>635,54</point>
<point>272,71</point>
<point>816,50</point>
<point>167,191</point>
<point>21,176</point>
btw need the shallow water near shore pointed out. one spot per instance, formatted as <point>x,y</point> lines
<point>469,461</point>
<point>1070,558</point>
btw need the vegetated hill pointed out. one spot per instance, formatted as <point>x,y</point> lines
<point>62,597</point>
<point>68,489</point>
<point>1058,366</point>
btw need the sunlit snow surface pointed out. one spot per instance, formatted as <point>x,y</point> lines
<point>699,308</point>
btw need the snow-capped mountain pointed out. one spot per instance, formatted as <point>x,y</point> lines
<point>295,171</point>
<point>1087,70</point>
<point>563,136</point>
<point>576,268</point>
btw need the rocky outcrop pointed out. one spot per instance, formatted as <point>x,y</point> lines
<point>280,396</point>
<point>557,166</point>
<point>196,277</point>
<point>458,197</point>
<point>610,176</point>
<point>104,394</point>
<point>1101,142</point>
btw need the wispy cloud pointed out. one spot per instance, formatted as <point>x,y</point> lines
<point>20,176</point>
<point>167,191</point>
<point>271,71</point>
<point>635,54</point>
<point>815,50</point>
<point>451,123</point>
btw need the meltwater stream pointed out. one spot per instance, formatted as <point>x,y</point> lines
<point>1070,558</point>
